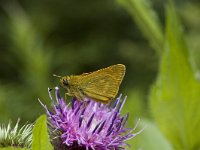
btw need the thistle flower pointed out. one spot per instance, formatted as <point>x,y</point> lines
<point>88,125</point>
<point>16,137</point>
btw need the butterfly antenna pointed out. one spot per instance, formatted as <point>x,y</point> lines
<point>57,76</point>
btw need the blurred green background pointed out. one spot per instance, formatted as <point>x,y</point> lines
<point>158,41</point>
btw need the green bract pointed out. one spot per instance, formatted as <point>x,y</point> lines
<point>15,137</point>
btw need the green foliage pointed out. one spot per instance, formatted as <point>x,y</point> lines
<point>30,63</point>
<point>175,96</point>
<point>41,139</point>
<point>147,20</point>
<point>193,24</point>
<point>150,139</point>
<point>139,109</point>
<point>174,99</point>
<point>13,148</point>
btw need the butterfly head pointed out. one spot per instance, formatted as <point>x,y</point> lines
<point>64,81</point>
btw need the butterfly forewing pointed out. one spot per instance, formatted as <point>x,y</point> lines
<point>102,85</point>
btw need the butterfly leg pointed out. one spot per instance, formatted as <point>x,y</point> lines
<point>77,96</point>
<point>82,97</point>
<point>67,94</point>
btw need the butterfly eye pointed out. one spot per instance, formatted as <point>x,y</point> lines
<point>65,82</point>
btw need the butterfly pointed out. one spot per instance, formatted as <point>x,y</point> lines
<point>101,85</point>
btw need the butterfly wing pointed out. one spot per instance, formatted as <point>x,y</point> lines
<point>102,85</point>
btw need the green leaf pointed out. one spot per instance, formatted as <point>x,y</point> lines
<point>147,20</point>
<point>41,139</point>
<point>175,98</point>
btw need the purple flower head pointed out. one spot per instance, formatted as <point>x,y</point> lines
<point>88,125</point>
